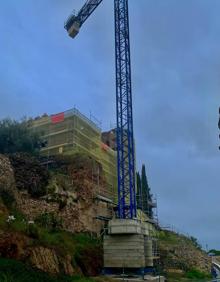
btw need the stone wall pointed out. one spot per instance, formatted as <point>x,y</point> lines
<point>7,181</point>
<point>75,216</point>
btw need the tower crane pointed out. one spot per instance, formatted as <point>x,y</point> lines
<point>124,133</point>
<point>219,123</point>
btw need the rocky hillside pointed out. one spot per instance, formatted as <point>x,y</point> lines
<point>67,190</point>
<point>182,257</point>
<point>48,222</point>
<point>34,229</point>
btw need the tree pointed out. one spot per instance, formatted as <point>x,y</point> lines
<point>17,137</point>
<point>145,198</point>
<point>139,191</point>
<point>195,242</point>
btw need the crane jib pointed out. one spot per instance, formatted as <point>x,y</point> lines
<point>125,137</point>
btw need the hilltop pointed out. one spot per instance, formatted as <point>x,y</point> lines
<point>33,226</point>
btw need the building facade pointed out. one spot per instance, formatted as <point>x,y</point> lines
<point>69,132</point>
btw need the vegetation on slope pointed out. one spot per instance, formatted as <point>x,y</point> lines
<point>182,258</point>
<point>15,271</point>
<point>21,240</point>
<point>29,174</point>
<point>85,251</point>
<point>16,137</point>
<point>214,252</point>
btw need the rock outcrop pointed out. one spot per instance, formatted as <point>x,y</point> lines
<point>49,261</point>
<point>7,181</point>
<point>44,259</point>
<point>178,253</point>
<point>13,245</point>
<point>71,197</point>
<point>72,202</point>
<point>18,246</point>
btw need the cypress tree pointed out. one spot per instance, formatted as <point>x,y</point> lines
<point>139,193</point>
<point>146,194</point>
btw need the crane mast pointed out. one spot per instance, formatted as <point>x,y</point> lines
<point>125,138</point>
<point>219,123</point>
<point>124,133</point>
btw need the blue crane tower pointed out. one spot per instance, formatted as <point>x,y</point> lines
<point>125,137</point>
<point>219,123</point>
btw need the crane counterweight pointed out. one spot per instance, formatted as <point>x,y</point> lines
<point>72,26</point>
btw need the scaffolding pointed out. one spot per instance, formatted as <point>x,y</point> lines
<point>70,132</point>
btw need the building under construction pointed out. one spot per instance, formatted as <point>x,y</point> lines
<point>69,132</point>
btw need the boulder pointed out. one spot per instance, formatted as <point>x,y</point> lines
<point>7,181</point>
<point>48,260</point>
<point>13,245</point>
<point>44,259</point>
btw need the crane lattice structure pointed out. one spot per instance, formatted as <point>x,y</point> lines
<point>219,123</point>
<point>125,137</point>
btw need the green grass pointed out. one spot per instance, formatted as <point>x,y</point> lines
<point>168,237</point>
<point>48,237</point>
<point>63,242</point>
<point>172,238</point>
<point>85,250</point>
<point>192,275</point>
<point>196,274</point>
<point>14,271</point>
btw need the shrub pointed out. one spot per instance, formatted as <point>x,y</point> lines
<point>196,274</point>
<point>33,231</point>
<point>195,242</point>
<point>29,174</point>
<point>14,271</point>
<point>17,137</point>
<point>215,252</point>
<point>49,220</point>
<point>62,204</point>
<point>8,198</point>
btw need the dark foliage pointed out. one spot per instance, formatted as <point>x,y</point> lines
<point>139,201</point>
<point>15,271</point>
<point>29,174</point>
<point>49,220</point>
<point>195,242</point>
<point>33,231</point>
<point>17,137</point>
<point>214,252</point>
<point>90,260</point>
<point>144,196</point>
<point>7,198</point>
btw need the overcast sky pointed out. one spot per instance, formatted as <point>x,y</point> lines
<point>175,48</point>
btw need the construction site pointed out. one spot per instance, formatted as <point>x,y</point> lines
<point>71,132</point>
<point>128,242</point>
<point>76,203</point>
<point>128,220</point>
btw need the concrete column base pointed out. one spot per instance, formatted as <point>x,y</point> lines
<point>127,245</point>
